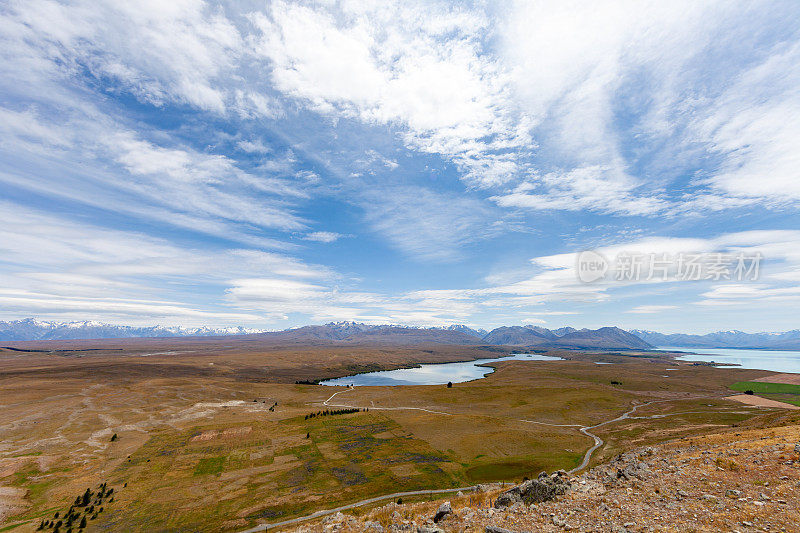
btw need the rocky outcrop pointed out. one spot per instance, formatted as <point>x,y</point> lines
<point>542,489</point>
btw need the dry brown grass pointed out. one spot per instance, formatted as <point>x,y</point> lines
<point>171,411</point>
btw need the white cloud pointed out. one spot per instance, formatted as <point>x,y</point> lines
<point>101,162</point>
<point>323,236</point>
<point>158,51</point>
<point>255,146</point>
<point>419,66</point>
<point>585,188</point>
<point>423,223</point>
<point>54,265</point>
<point>755,127</point>
<point>651,309</point>
<point>126,311</point>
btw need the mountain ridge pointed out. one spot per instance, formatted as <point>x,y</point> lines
<point>787,340</point>
<point>341,332</point>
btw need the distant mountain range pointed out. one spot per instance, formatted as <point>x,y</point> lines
<point>345,332</point>
<point>31,329</point>
<point>788,340</point>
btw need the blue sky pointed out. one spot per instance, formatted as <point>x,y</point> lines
<point>272,164</point>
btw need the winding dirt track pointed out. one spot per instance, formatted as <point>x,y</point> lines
<point>318,514</point>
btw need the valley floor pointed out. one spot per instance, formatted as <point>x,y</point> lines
<point>218,436</point>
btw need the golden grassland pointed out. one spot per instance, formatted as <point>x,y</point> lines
<point>201,447</point>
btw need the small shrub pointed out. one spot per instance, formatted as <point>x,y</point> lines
<point>727,464</point>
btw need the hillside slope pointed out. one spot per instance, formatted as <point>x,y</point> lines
<point>746,481</point>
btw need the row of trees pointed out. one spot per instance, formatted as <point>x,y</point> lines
<point>333,412</point>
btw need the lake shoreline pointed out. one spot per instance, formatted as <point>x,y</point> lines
<point>434,373</point>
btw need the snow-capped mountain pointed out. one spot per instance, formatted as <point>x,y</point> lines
<point>788,340</point>
<point>30,329</point>
<point>461,328</point>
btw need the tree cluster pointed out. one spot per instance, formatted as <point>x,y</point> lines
<point>333,412</point>
<point>85,507</point>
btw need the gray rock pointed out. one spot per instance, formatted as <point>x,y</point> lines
<point>497,529</point>
<point>444,510</point>
<point>634,469</point>
<point>428,529</point>
<point>539,490</point>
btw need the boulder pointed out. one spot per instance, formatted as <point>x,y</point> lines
<point>542,489</point>
<point>443,510</point>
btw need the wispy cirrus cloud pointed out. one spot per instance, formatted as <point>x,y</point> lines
<point>420,66</point>
<point>158,51</point>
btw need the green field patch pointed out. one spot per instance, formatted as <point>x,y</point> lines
<point>781,392</point>
<point>209,465</point>
<point>12,526</point>
<point>761,387</point>
<point>791,400</point>
<point>517,468</point>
